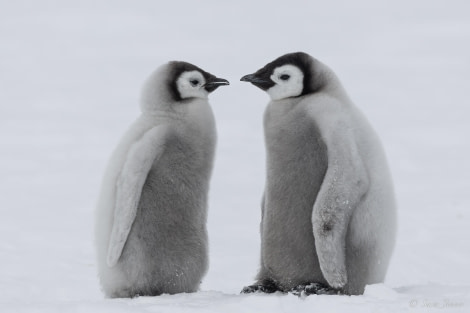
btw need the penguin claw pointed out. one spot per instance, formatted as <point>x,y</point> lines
<point>314,289</point>
<point>260,288</point>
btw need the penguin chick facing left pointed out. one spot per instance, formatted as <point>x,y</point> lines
<point>150,228</point>
<point>328,210</point>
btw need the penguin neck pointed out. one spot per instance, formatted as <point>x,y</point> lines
<point>177,111</point>
<point>157,102</point>
<point>155,98</point>
<point>337,90</point>
<point>285,105</point>
<point>330,83</point>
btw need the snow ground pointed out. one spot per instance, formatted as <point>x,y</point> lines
<point>70,75</point>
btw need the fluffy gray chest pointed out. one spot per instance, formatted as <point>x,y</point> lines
<point>186,163</point>
<point>176,188</point>
<point>296,166</point>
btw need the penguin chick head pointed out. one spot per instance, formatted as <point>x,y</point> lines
<point>186,81</point>
<point>291,75</point>
<point>177,81</point>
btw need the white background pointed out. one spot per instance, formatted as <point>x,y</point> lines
<point>70,78</point>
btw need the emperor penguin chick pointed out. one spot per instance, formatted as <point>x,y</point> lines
<point>328,210</point>
<point>150,229</point>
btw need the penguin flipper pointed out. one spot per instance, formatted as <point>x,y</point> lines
<point>139,160</point>
<point>344,184</point>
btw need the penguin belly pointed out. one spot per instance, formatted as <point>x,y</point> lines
<point>297,163</point>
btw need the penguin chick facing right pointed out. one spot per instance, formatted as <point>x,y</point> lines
<point>150,228</point>
<point>328,209</point>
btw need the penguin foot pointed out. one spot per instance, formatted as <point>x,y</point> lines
<point>267,286</point>
<point>314,289</point>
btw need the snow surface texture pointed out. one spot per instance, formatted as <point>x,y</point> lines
<point>70,78</point>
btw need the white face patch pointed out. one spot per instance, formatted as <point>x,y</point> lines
<point>190,85</point>
<point>289,82</point>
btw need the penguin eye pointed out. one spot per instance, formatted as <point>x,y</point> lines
<point>194,82</point>
<point>284,77</point>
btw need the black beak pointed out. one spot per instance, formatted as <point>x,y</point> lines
<point>252,78</point>
<point>259,82</point>
<point>214,82</point>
